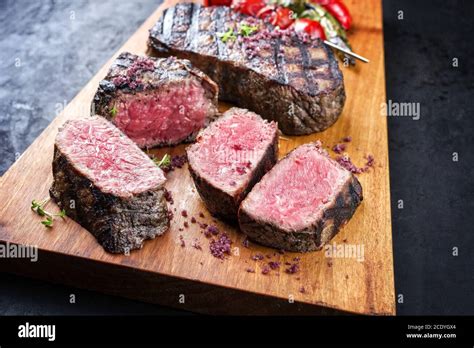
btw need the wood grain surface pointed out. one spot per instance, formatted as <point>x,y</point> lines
<point>344,284</point>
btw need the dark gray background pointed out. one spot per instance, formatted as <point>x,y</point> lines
<point>59,46</point>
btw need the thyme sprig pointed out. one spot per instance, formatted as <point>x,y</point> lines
<point>164,162</point>
<point>38,208</point>
<point>244,30</point>
<point>113,111</point>
<point>247,30</point>
<point>228,35</point>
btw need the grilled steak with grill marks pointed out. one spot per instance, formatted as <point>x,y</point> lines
<point>274,73</point>
<point>156,102</point>
<point>302,202</point>
<point>108,185</point>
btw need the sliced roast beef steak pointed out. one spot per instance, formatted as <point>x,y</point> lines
<point>156,102</point>
<point>302,202</point>
<point>275,73</point>
<point>108,185</point>
<point>229,158</point>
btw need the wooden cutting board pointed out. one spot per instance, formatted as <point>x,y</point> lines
<point>165,272</point>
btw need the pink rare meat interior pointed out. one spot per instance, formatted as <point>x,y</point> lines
<point>296,190</point>
<point>167,115</point>
<point>107,157</point>
<point>229,148</point>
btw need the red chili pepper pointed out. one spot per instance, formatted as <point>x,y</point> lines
<point>338,10</point>
<point>217,2</point>
<point>248,7</point>
<point>309,27</point>
<point>282,17</point>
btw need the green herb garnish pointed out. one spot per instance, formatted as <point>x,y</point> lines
<point>113,111</point>
<point>244,30</point>
<point>48,222</point>
<point>228,35</point>
<point>247,30</point>
<point>164,162</point>
<point>38,208</point>
<point>62,214</point>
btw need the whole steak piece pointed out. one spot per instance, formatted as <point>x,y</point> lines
<point>275,73</point>
<point>156,102</point>
<point>229,158</point>
<point>302,202</point>
<point>108,185</point>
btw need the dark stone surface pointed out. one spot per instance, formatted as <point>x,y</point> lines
<point>22,296</point>
<point>58,55</point>
<point>438,194</point>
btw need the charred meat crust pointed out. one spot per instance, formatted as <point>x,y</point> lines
<point>312,237</point>
<point>165,73</point>
<point>221,204</point>
<point>120,224</point>
<point>297,109</point>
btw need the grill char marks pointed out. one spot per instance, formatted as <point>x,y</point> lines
<point>193,28</point>
<point>158,101</point>
<point>280,62</point>
<point>168,20</point>
<point>220,19</point>
<point>305,63</point>
<point>280,77</point>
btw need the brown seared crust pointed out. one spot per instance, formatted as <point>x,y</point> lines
<point>167,72</point>
<point>313,237</point>
<point>222,205</point>
<point>119,224</point>
<point>188,31</point>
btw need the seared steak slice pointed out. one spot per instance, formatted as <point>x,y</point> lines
<point>108,185</point>
<point>302,202</point>
<point>273,73</point>
<point>156,102</point>
<point>229,158</point>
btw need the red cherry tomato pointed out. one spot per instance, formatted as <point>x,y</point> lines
<point>248,7</point>
<point>338,10</point>
<point>217,2</point>
<point>307,26</point>
<point>266,12</point>
<point>282,17</point>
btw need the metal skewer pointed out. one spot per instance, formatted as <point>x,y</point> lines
<point>348,52</point>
